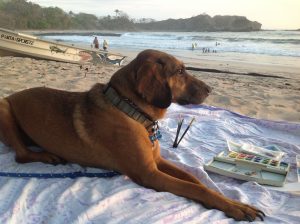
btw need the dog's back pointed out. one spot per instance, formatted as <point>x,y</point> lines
<point>46,115</point>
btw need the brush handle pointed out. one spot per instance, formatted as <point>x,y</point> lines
<point>179,125</point>
<point>188,127</point>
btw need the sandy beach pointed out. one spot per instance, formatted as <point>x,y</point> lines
<point>272,98</point>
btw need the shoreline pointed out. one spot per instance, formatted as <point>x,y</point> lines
<point>260,95</point>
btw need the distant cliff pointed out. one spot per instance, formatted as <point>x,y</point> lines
<point>203,23</point>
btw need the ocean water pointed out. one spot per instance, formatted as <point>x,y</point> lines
<point>273,43</point>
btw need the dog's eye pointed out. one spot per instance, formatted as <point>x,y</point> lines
<point>180,71</point>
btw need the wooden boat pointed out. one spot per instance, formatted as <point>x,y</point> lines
<point>19,44</point>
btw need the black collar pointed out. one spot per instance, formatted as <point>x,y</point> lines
<point>128,107</point>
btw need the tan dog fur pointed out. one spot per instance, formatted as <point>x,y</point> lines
<point>85,128</point>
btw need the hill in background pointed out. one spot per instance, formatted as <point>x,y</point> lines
<point>203,22</point>
<point>20,14</point>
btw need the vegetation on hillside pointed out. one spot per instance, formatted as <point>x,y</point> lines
<point>21,14</point>
<point>202,23</point>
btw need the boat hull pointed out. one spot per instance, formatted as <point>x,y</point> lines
<point>18,44</point>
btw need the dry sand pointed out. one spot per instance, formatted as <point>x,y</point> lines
<point>261,97</point>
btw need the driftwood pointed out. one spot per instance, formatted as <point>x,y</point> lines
<point>235,73</point>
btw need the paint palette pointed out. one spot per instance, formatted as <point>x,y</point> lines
<point>249,167</point>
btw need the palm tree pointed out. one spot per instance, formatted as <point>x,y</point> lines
<point>117,11</point>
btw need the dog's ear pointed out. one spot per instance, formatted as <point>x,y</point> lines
<point>152,86</point>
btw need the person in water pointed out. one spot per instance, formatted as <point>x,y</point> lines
<point>105,45</point>
<point>96,43</point>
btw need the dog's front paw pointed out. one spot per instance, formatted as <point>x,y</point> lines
<point>44,157</point>
<point>244,212</point>
<point>50,158</point>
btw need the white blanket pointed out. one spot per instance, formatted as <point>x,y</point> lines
<point>119,200</point>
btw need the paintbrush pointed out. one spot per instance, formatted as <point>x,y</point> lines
<point>179,124</point>
<point>178,130</point>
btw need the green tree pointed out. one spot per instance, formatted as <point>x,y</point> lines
<point>117,11</point>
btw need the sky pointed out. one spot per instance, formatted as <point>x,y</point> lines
<point>272,14</point>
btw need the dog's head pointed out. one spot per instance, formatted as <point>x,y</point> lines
<point>161,79</point>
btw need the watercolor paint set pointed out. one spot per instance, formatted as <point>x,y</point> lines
<point>249,167</point>
<point>270,151</point>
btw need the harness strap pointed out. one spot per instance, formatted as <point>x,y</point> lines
<point>128,107</point>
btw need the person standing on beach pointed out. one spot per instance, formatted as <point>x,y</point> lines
<point>193,46</point>
<point>96,43</point>
<point>105,45</point>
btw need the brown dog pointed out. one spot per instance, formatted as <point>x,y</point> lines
<point>109,127</point>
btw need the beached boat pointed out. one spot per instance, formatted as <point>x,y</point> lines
<point>19,44</point>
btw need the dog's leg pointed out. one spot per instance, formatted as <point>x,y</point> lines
<point>11,136</point>
<point>169,168</point>
<point>151,177</point>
